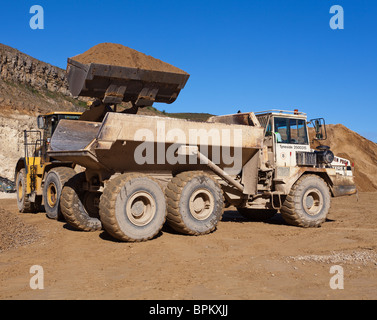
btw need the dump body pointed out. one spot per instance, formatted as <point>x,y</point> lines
<point>125,142</point>
<point>114,84</point>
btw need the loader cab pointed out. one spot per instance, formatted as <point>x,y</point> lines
<point>49,122</point>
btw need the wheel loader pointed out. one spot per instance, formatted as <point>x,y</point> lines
<point>144,170</point>
<point>39,178</point>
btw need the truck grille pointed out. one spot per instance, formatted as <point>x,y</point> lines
<point>306,158</point>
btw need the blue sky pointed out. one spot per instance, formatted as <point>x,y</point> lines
<point>242,55</point>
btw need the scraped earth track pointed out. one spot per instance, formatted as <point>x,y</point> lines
<point>240,260</point>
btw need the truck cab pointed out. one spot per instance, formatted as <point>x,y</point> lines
<point>288,153</point>
<point>285,133</point>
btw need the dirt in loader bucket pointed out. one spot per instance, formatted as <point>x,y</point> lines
<point>119,55</point>
<point>114,73</point>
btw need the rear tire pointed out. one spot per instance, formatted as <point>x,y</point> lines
<point>308,202</point>
<point>132,207</point>
<point>79,206</point>
<point>195,203</point>
<point>53,185</point>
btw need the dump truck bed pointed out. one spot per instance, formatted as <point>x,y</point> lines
<point>114,84</point>
<point>125,142</point>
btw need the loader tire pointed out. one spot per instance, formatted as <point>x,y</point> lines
<point>257,214</point>
<point>194,203</point>
<point>53,185</point>
<point>308,202</point>
<point>23,202</point>
<point>132,207</point>
<point>79,206</point>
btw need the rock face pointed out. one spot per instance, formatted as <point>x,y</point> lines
<point>28,87</point>
<point>12,141</point>
<point>18,67</point>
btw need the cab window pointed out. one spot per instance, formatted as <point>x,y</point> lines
<point>51,123</point>
<point>290,131</point>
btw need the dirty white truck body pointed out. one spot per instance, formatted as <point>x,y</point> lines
<point>261,164</point>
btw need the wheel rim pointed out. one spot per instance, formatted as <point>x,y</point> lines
<point>51,195</point>
<point>312,201</point>
<point>141,208</point>
<point>201,204</point>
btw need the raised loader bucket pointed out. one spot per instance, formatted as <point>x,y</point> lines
<point>114,84</point>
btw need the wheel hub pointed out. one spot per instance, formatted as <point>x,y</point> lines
<point>313,201</point>
<point>201,204</point>
<point>51,195</point>
<point>137,208</point>
<point>141,208</point>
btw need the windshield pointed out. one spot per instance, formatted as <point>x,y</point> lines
<point>289,130</point>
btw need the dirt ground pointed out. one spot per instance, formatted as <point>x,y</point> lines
<point>241,260</point>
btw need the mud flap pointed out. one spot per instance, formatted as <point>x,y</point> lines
<point>344,190</point>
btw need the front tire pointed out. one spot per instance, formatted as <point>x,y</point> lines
<point>308,202</point>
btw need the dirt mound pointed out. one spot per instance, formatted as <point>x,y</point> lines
<point>346,143</point>
<point>13,232</point>
<point>119,55</point>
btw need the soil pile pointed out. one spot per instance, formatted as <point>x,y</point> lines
<point>13,232</point>
<point>347,144</point>
<point>119,55</point>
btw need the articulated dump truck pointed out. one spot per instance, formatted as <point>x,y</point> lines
<point>141,171</point>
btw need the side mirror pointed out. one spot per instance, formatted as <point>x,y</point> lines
<point>41,122</point>
<point>320,128</point>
